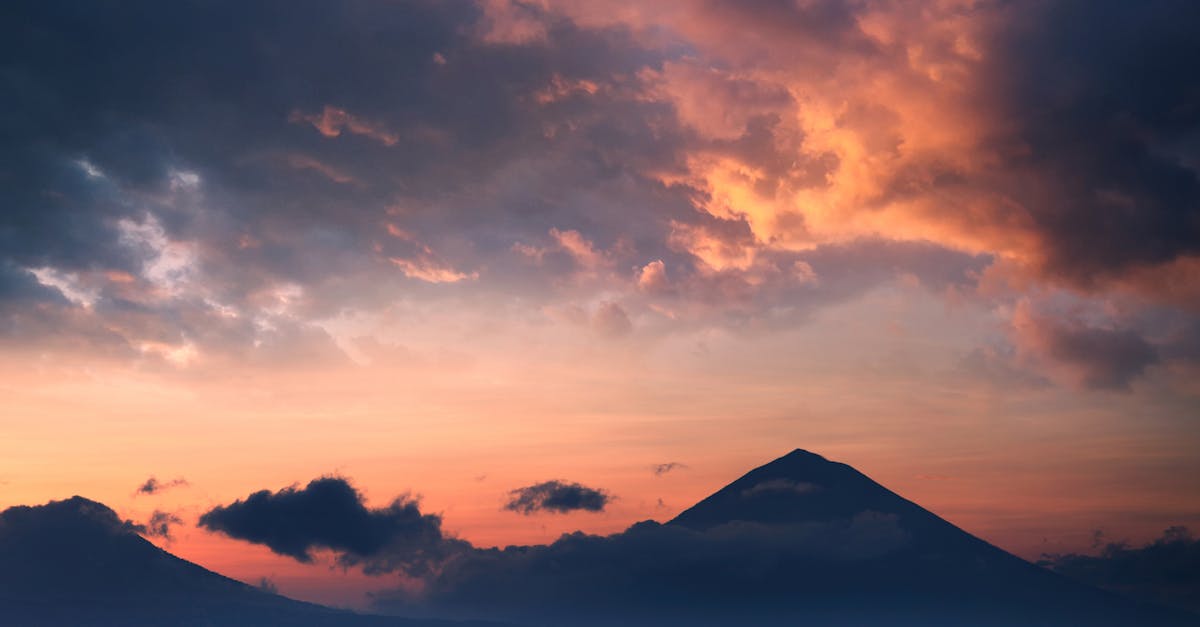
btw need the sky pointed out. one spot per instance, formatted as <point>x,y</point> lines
<point>543,266</point>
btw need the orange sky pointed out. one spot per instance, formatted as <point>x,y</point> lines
<point>452,250</point>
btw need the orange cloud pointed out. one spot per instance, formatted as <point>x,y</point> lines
<point>430,271</point>
<point>331,121</point>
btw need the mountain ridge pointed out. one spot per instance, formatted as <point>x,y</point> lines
<point>799,540</point>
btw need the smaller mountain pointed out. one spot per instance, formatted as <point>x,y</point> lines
<point>75,562</point>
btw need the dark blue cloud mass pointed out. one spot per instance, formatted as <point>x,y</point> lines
<point>330,514</point>
<point>1166,570</point>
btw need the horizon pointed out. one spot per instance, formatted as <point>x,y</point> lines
<point>532,267</point>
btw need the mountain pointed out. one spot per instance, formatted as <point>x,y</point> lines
<point>799,541</point>
<point>939,574</point>
<point>76,563</point>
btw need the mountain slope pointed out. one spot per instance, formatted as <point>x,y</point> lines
<point>940,573</point>
<point>799,541</point>
<point>74,562</point>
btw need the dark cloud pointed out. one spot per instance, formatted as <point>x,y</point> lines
<point>558,497</point>
<point>351,93</point>
<point>267,585</point>
<point>75,515</point>
<point>159,525</point>
<point>662,469</point>
<point>654,570</point>
<point>330,514</point>
<point>154,486</point>
<point>1095,357</point>
<point>1100,111</point>
<point>1165,571</point>
<point>363,117</point>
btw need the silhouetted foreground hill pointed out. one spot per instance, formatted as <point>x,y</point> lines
<point>75,563</point>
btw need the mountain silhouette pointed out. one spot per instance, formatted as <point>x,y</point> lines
<point>939,575</point>
<point>799,541</point>
<point>75,562</point>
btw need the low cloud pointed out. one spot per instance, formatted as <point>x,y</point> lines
<point>558,497</point>
<point>653,573</point>
<point>776,486</point>
<point>266,584</point>
<point>329,513</point>
<point>160,525</point>
<point>1165,571</point>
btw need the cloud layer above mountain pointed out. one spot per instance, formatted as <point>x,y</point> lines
<point>193,189</point>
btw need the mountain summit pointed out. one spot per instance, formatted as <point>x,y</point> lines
<point>798,487</point>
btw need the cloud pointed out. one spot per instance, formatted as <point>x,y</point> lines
<point>557,497</point>
<point>652,277</point>
<point>1166,570</point>
<point>331,121</point>
<point>154,486</point>
<point>267,585</point>
<point>653,573</point>
<point>329,513</point>
<point>75,516</point>
<point>1113,188</point>
<point>159,525</point>
<point>1092,357</point>
<point>721,164</point>
<point>775,486</point>
<point>662,469</point>
<point>612,321</point>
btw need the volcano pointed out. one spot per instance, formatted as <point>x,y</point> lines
<point>799,541</point>
<point>937,575</point>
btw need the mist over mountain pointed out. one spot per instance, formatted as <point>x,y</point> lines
<point>799,541</point>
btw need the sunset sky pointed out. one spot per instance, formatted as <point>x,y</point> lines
<point>454,249</point>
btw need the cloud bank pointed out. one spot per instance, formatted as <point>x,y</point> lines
<point>1166,570</point>
<point>702,164</point>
